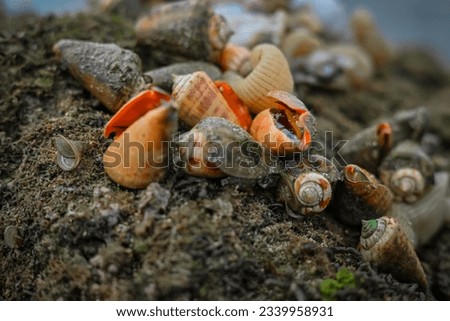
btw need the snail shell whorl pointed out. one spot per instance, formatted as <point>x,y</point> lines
<point>427,215</point>
<point>198,98</point>
<point>384,243</point>
<point>270,72</point>
<point>407,183</point>
<point>313,191</point>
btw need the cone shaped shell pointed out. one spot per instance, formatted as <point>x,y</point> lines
<point>384,243</point>
<point>138,156</point>
<point>360,196</point>
<point>187,28</point>
<point>270,72</point>
<point>108,72</point>
<point>198,97</point>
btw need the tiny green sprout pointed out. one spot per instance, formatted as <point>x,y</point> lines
<point>329,287</point>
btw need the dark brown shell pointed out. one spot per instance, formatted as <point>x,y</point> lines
<point>188,29</point>
<point>384,244</point>
<point>108,72</point>
<point>360,196</point>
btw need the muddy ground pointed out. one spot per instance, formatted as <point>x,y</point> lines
<point>86,238</point>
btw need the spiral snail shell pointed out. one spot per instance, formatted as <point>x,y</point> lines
<point>216,147</point>
<point>360,196</point>
<point>427,215</point>
<point>187,28</point>
<point>384,244</point>
<point>407,171</point>
<point>110,73</point>
<point>307,188</point>
<point>198,97</point>
<point>270,72</point>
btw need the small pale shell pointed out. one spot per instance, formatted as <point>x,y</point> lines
<point>384,244</point>
<point>299,42</point>
<point>270,72</point>
<point>313,192</point>
<point>69,152</point>
<point>368,37</point>
<point>235,58</point>
<point>12,237</point>
<point>138,156</point>
<point>198,97</point>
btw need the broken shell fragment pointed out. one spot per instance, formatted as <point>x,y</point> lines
<point>360,196</point>
<point>384,244</point>
<point>407,171</point>
<point>235,58</point>
<point>108,72</point>
<point>366,34</point>
<point>163,77</point>
<point>188,29</point>
<point>198,97</point>
<point>270,72</point>
<point>427,215</point>
<point>69,152</point>
<point>136,107</point>
<point>217,145</point>
<point>12,237</point>
<point>139,155</point>
<point>307,188</point>
<point>285,128</point>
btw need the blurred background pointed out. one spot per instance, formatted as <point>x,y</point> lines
<point>405,22</point>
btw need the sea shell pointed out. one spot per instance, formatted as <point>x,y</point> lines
<point>368,147</point>
<point>407,171</point>
<point>384,244</point>
<point>12,237</point>
<point>218,144</point>
<point>235,58</point>
<point>187,28</point>
<point>139,155</point>
<point>409,124</point>
<point>110,73</point>
<point>163,77</point>
<point>307,19</point>
<point>198,97</point>
<point>307,188</point>
<point>69,152</point>
<point>428,214</point>
<point>339,67</point>
<point>366,34</point>
<point>136,107</point>
<point>285,128</point>
<point>270,72</point>
<point>300,43</point>
<point>360,196</point>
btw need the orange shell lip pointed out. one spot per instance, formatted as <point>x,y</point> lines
<point>384,134</point>
<point>133,109</point>
<point>235,103</point>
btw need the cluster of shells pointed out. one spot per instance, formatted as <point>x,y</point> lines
<point>232,95</point>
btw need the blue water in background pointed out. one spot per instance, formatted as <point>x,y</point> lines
<point>425,22</point>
